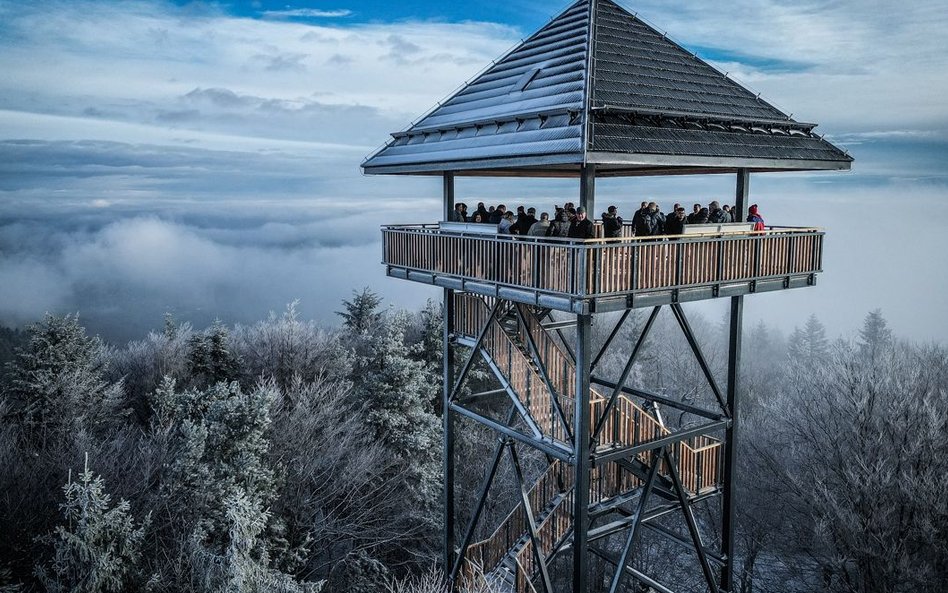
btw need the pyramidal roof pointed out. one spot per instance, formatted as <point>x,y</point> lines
<point>598,85</point>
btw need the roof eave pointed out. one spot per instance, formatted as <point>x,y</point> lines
<point>652,161</point>
<point>529,165</point>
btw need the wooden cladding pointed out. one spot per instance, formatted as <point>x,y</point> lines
<point>604,266</point>
<point>627,424</point>
<point>550,489</point>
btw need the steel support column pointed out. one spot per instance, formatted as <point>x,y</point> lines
<point>448,193</point>
<point>581,454</point>
<point>447,419</point>
<point>587,190</point>
<point>636,523</point>
<point>741,195</point>
<point>728,511</point>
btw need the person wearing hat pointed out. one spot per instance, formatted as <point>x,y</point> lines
<point>753,215</point>
<point>581,227</point>
<point>612,223</point>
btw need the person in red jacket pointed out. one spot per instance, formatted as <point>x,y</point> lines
<point>753,215</point>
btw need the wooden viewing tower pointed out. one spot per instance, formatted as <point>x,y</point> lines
<point>596,93</point>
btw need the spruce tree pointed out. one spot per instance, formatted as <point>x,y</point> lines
<point>219,440</point>
<point>809,347</point>
<point>875,335</point>
<point>362,312</point>
<point>210,358</point>
<point>99,547</point>
<point>397,392</point>
<point>57,384</point>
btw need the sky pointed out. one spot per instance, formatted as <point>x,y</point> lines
<point>202,158</point>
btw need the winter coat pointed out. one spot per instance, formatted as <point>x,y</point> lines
<point>504,226</point>
<point>581,229</point>
<point>539,229</point>
<point>756,218</point>
<point>673,226</point>
<point>643,223</point>
<point>559,228</point>
<point>658,226</point>
<point>719,216</point>
<point>523,224</point>
<point>612,225</point>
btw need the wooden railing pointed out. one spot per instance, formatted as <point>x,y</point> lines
<point>628,423</point>
<point>488,553</point>
<point>597,267</point>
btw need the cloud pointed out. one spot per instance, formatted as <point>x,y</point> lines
<point>154,157</point>
<point>313,13</point>
<point>123,276</point>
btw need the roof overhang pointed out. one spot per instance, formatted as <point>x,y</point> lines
<point>608,164</point>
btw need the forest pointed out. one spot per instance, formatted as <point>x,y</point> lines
<point>286,456</point>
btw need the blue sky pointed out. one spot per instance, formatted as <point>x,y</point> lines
<point>202,157</point>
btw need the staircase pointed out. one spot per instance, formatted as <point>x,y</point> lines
<point>510,343</point>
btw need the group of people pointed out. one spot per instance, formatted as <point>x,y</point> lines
<point>568,221</point>
<point>648,220</point>
<point>572,222</point>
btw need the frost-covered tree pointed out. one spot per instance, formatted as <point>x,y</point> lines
<point>288,349</point>
<point>243,566</point>
<point>397,392</point>
<point>362,312</point>
<point>865,459</point>
<point>98,548</point>
<point>144,364</point>
<point>875,335</point>
<point>218,439</point>
<point>210,357</point>
<point>808,347</point>
<point>57,385</point>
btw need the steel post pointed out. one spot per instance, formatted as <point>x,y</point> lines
<point>581,455</point>
<point>448,193</point>
<point>448,427</point>
<point>587,190</point>
<point>728,497</point>
<point>447,419</point>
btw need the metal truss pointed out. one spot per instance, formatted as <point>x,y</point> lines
<point>660,494</point>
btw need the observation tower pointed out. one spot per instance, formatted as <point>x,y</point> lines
<point>595,93</point>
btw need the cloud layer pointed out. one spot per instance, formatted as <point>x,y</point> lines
<point>156,157</point>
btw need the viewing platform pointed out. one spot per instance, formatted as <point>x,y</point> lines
<point>601,275</point>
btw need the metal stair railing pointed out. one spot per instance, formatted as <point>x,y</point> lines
<point>490,552</point>
<point>630,424</point>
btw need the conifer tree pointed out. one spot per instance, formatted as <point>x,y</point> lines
<point>57,382</point>
<point>875,335</point>
<point>397,391</point>
<point>362,312</point>
<point>809,347</point>
<point>99,547</point>
<point>219,440</point>
<point>210,358</point>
